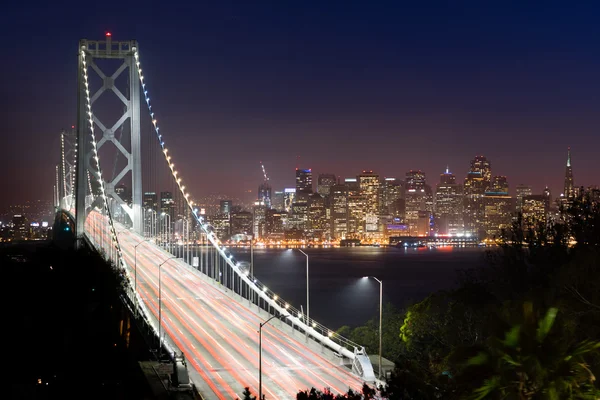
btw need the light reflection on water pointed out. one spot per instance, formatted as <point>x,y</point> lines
<point>338,296</point>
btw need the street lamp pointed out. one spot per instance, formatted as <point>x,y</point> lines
<point>307,296</point>
<point>160,306</point>
<point>260,352</point>
<point>167,230</point>
<point>380,315</point>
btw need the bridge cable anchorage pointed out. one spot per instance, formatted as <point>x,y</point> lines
<point>113,232</point>
<point>318,331</point>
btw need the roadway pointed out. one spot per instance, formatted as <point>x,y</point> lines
<point>219,336</point>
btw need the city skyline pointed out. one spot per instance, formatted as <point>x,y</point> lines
<point>399,88</point>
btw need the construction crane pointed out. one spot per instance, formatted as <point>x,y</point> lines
<point>264,171</point>
<point>264,190</point>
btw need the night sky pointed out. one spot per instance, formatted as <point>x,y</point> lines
<point>344,85</point>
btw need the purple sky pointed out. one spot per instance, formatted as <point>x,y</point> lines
<point>346,86</point>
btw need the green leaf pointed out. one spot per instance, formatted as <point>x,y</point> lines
<point>479,359</point>
<point>510,360</point>
<point>489,385</point>
<point>512,337</point>
<point>546,323</point>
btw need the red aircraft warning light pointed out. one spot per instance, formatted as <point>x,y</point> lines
<point>108,34</point>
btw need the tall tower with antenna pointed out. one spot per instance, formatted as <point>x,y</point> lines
<point>569,191</point>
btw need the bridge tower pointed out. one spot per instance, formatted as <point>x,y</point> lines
<point>89,52</point>
<point>66,169</point>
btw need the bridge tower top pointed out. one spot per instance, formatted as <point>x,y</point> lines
<point>89,52</point>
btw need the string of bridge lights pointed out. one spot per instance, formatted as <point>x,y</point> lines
<point>113,232</point>
<point>205,226</point>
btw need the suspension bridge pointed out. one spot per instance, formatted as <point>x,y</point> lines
<point>204,307</point>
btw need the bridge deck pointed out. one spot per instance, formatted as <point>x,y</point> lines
<point>219,336</point>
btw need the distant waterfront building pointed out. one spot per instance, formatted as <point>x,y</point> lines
<point>150,201</point>
<point>356,209</point>
<point>476,183</point>
<point>324,183</point>
<point>548,195</point>
<point>497,208</point>
<point>520,192</point>
<point>20,227</point>
<point>274,229</point>
<point>304,181</point>
<point>123,192</point>
<point>390,191</point>
<point>535,211</point>
<point>167,205</point>
<point>225,207</point>
<point>289,196</point>
<point>416,196</point>
<point>278,200</point>
<point>258,224</point>
<point>368,183</point>
<point>339,211</point>
<point>318,223</point>
<point>241,224</point>
<point>449,205</point>
<point>264,194</point>
<point>499,184</point>
<point>221,224</point>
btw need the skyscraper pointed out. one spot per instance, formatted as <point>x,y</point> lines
<point>569,190</point>
<point>416,196</point>
<point>368,183</point>
<point>390,192</point>
<point>448,205</point>
<point>339,211</point>
<point>225,207</point>
<point>264,194</point>
<point>289,196</point>
<point>167,204</point>
<point>356,209</point>
<point>477,182</point>
<point>278,200</point>
<point>521,191</point>
<point>535,211</point>
<point>150,201</point>
<point>318,223</point>
<point>303,181</point>
<point>324,183</point>
<point>497,208</point>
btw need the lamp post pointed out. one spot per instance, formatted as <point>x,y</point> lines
<point>167,230</point>
<point>380,315</point>
<point>307,292</point>
<point>260,352</point>
<point>160,306</point>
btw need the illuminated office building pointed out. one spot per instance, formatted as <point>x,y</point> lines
<point>476,183</point>
<point>535,211</point>
<point>417,196</point>
<point>368,184</point>
<point>303,181</point>
<point>318,223</point>
<point>324,183</point>
<point>339,211</point>
<point>390,192</point>
<point>497,208</point>
<point>289,196</point>
<point>520,192</point>
<point>449,205</point>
